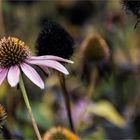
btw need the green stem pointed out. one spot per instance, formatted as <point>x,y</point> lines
<point>21,84</point>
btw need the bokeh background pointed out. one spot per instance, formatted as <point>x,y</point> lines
<point>104,86</point>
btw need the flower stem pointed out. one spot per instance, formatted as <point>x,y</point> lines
<point>22,87</point>
<point>67,99</point>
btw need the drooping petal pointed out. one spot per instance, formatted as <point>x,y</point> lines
<point>51,57</point>
<point>32,75</point>
<point>13,76</point>
<point>51,64</point>
<point>3,74</point>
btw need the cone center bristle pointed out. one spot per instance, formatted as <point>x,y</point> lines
<point>12,52</point>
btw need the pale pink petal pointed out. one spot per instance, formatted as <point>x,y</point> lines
<point>13,76</point>
<point>51,57</point>
<point>3,74</point>
<point>32,75</point>
<point>51,64</point>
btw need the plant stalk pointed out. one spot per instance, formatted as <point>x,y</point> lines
<point>22,87</point>
<point>67,100</point>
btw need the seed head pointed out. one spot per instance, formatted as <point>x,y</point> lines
<point>94,48</point>
<point>12,52</point>
<point>54,40</point>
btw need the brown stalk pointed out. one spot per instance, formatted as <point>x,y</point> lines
<point>67,99</point>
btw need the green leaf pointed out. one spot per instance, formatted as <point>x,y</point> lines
<point>106,110</point>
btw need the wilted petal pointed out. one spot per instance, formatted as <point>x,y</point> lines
<point>3,74</point>
<point>51,57</point>
<point>13,75</point>
<point>32,75</point>
<point>51,64</point>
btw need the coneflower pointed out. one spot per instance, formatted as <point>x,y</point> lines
<point>15,57</point>
<point>94,48</point>
<point>55,40</point>
<point>59,133</point>
<point>94,51</point>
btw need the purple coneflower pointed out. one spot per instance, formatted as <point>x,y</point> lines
<point>15,57</point>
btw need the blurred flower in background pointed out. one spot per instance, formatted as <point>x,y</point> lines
<point>58,133</point>
<point>81,117</point>
<point>94,48</point>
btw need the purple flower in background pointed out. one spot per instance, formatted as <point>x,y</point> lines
<point>79,112</point>
<point>15,57</point>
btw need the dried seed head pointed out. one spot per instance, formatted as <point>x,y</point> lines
<point>54,40</point>
<point>12,52</point>
<point>59,133</point>
<point>94,48</point>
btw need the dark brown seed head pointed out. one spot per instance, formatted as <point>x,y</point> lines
<point>54,40</point>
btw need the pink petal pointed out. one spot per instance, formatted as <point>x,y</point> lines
<point>13,75</point>
<point>32,75</point>
<point>3,74</point>
<point>51,57</point>
<point>50,63</point>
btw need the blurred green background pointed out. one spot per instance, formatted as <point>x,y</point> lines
<point>105,94</point>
